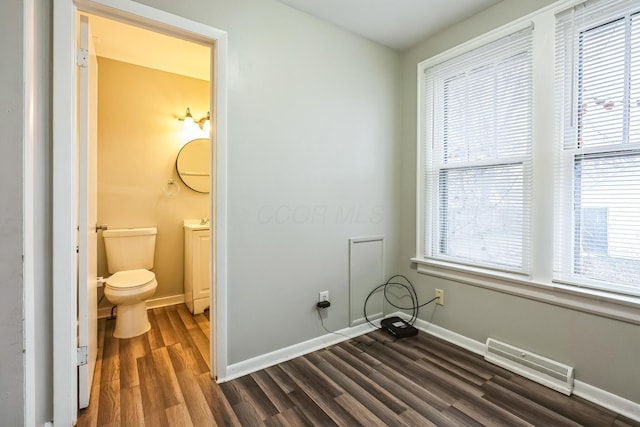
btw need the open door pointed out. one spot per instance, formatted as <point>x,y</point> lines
<point>87,210</point>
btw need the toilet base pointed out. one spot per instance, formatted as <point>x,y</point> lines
<point>131,320</point>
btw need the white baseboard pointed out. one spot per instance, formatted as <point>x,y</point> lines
<point>104,312</point>
<point>450,336</point>
<point>266,360</point>
<point>608,400</point>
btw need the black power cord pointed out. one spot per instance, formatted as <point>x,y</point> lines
<point>319,306</point>
<point>393,281</point>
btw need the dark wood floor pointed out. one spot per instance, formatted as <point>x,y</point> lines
<point>162,378</point>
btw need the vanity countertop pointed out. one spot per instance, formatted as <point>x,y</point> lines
<point>196,224</point>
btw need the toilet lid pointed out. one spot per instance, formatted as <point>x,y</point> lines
<point>130,279</point>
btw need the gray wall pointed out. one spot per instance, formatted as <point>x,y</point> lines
<point>42,174</point>
<point>603,351</point>
<point>11,284</point>
<point>314,122</point>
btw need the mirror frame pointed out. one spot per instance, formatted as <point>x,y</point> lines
<point>184,176</point>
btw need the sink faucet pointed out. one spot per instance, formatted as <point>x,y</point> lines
<point>204,221</point>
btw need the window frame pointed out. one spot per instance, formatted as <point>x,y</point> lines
<point>437,164</point>
<point>540,284</point>
<point>570,154</point>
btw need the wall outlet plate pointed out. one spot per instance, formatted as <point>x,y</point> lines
<point>323,296</point>
<point>440,296</point>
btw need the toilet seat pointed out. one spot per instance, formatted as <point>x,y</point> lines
<point>129,279</point>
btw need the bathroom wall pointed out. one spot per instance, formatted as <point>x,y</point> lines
<point>139,137</point>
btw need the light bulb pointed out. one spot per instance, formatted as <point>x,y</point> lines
<point>189,124</point>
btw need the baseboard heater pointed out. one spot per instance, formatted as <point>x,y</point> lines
<point>537,368</point>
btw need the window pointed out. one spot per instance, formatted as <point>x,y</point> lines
<point>597,218</point>
<point>477,142</point>
<point>529,159</point>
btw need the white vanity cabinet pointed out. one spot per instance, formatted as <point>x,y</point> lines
<point>197,276</point>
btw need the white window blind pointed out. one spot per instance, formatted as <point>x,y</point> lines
<point>597,208</point>
<point>478,142</point>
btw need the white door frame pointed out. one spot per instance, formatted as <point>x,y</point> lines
<point>64,179</point>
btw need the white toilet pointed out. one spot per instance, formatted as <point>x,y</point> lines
<point>130,254</point>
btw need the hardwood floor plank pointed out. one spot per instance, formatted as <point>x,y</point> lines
<point>199,409</point>
<point>365,401</point>
<point>220,407</point>
<point>154,336</point>
<point>475,377</point>
<point>363,416</point>
<point>295,418</point>
<point>381,394</point>
<point>178,359</point>
<point>109,411</point>
<point>167,331</point>
<point>231,392</point>
<point>526,409</point>
<point>456,385</point>
<point>427,404</point>
<point>187,318</point>
<point>195,346</point>
<point>150,391</point>
<point>132,413</point>
<point>308,377</point>
<point>353,361</point>
<point>274,393</point>
<point>178,415</point>
<point>622,421</point>
<point>487,413</point>
<point>310,409</point>
<point>203,323</point>
<point>460,356</point>
<point>460,419</point>
<point>320,389</point>
<point>407,369</point>
<point>168,381</point>
<point>412,417</point>
<point>247,415</point>
<point>277,420</point>
<point>283,380</point>
<point>110,355</point>
<point>574,408</point>
<point>128,365</point>
<point>251,391</point>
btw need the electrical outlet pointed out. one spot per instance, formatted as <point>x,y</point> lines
<point>324,296</point>
<point>440,296</point>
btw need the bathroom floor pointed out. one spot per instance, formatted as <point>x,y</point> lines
<point>159,378</point>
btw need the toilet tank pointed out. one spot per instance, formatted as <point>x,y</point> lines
<point>130,248</point>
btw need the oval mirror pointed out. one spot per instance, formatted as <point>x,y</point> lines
<point>193,164</point>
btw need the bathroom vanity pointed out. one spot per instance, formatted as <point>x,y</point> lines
<point>197,272</point>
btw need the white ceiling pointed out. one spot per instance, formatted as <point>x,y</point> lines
<point>398,24</point>
<point>126,43</point>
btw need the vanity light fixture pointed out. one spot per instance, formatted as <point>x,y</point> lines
<point>190,124</point>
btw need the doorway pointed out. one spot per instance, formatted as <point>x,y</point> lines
<point>66,178</point>
<point>144,83</point>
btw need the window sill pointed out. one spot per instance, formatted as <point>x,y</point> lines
<point>613,306</point>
